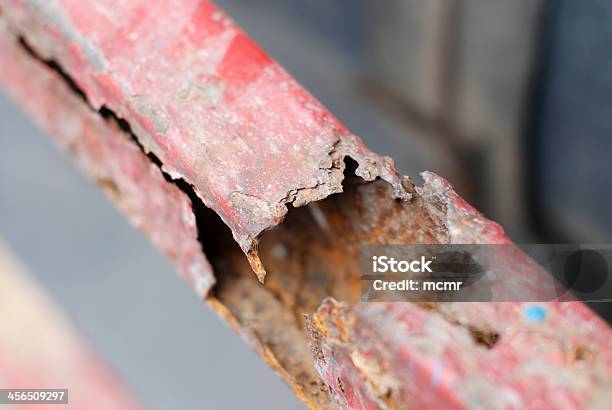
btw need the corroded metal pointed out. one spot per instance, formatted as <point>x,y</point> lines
<point>202,96</point>
<point>174,110</point>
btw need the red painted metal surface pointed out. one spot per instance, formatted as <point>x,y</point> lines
<point>465,355</point>
<point>211,105</point>
<point>224,117</point>
<point>105,153</point>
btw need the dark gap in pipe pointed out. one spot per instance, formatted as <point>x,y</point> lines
<point>232,271</point>
<point>55,67</point>
<point>312,255</point>
<point>206,219</point>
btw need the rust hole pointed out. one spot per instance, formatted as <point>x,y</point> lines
<point>484,338</point>
<point>312,255</point>
<point>582,354</point>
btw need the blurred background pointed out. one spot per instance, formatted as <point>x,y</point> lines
<point>511,101</point>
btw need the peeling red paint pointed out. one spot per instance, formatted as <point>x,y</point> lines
<point>201,97</point>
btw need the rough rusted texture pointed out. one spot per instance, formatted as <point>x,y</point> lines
<point>211,105</point>
<point>105,153</point>
<point>40,349</point>
<point>313,254</point>
<point>215,112</point>
<point>462,355</point>
<point>398,355</point>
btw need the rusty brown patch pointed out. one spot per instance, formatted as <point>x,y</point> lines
<point>314,254</point>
